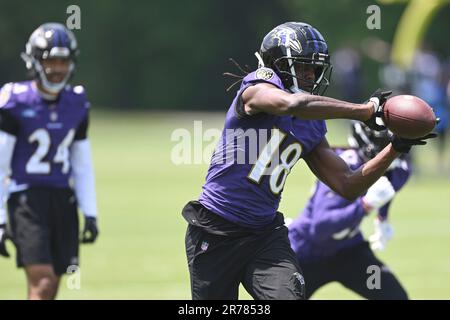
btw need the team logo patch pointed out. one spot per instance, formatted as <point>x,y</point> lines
<point>287,37</point>
<point>299,283</point>
<point>299,278</point>
<point>204,246</point>
<point>264,74</point>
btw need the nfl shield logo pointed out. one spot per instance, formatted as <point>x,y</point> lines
<point>53,116</point>
<point>204,245</point>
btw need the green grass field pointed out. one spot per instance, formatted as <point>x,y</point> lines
<point>140,251</point>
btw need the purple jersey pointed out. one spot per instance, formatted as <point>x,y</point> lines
<point>330,223</point>
<point>44,131</point>
<point>253,158</point>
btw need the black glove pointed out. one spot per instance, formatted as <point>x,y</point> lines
<point>90,231</point>
<point>403,145</point>
<point>3,236</point>
<point>379,99</point>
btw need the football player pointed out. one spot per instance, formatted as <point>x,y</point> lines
<point>45,165</point>
<point>235,233</point>
<point>326,236</point>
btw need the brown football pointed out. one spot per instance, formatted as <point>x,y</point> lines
<point>409,116</point>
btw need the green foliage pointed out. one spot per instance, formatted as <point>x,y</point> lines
<point>171,54</point>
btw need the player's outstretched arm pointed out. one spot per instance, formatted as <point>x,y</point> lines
<point>334,172</point>
<point>264,97</point>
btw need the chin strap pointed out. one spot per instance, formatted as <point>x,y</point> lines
<point>260,60</point>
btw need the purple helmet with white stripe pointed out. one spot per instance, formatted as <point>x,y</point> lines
<point>290,49</point>
<point>50,40</point>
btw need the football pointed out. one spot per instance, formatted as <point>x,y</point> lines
<point>409,116</point>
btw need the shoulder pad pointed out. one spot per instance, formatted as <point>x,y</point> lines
<point>79,94</point>
<point>5,94</point>
<point>19,88</point>
<point>78,89</point>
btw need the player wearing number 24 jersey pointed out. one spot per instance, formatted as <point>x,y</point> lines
<point>235,233</point>
<point>44,132</point>
<point>46,170</point>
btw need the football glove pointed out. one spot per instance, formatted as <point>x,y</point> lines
<point>376,122</point>
<point>383,233</point>
<point>403,145</point>
<point>380,193</point>
<point>3,237</point>
<point>90,231</point>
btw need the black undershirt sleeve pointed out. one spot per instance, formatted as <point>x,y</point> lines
<point>82,129</point>
<point>8,123</point>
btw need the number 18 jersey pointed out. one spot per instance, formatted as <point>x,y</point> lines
<point>44,131</point>
<point>252,159</point>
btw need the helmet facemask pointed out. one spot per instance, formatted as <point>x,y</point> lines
<point>53,87</point>
<point>292,72</point>
<point>298,53</point>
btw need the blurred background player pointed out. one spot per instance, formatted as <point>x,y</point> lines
<point>431,81</point>
<point>326,237</point>
<point>45,157</point>
<point>235,233</point>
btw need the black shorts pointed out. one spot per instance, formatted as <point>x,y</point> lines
<point>350,268</point>
<point>44,225</point>
<point>218,263</point>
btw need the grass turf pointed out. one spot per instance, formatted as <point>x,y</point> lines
<point>140,251</point>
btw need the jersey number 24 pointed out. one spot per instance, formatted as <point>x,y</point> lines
<point>36,164</point>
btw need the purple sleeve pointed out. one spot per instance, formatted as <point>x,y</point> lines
<point>260,75</point>
<point>333,214</point>
<point>311,134</point>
